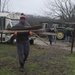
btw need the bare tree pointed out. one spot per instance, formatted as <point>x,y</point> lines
<point>4,5</point>
<point>63,9</point>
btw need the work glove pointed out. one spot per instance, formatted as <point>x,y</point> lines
<point>30,33</point>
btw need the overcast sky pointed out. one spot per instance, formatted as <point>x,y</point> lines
<point>34,7</point>
<point>28,6</point>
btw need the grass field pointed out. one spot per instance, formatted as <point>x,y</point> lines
<point>41,61</point>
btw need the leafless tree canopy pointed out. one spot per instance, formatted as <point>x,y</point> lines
<point>63,9</point>
<point>4,5</point>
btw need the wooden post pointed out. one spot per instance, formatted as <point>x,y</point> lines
<point>73,34</point>
<point>40,38</point>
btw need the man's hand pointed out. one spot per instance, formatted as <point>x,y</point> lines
<point>15,33</point>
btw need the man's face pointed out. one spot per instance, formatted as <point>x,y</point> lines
<point>22,20</point>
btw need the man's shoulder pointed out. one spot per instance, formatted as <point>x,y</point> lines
<point>27,24</point>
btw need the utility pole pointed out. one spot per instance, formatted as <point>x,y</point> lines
<point>0,5</point>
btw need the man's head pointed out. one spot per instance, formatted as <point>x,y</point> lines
<point>22,18</point>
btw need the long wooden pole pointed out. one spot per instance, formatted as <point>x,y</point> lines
<point>12,31</point>
<point>40,38</point>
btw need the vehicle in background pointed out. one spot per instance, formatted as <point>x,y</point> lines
<point>61,31</point>
<point>6,22</point>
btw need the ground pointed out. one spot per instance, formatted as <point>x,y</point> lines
<point>42,60</point>
<point>59,43</point>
